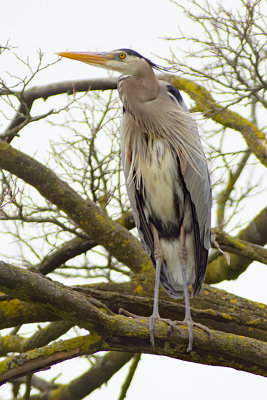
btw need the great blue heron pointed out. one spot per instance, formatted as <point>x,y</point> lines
<point>166,176</point>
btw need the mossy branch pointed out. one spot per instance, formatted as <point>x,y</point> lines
<point>115,332</point>
<point>44,357</point>
<point>215,308</point>
<point>85,213</point>
<point>241,247</point>
<point>256,233</point>
<point>205,103</point>
<point>42,337</point>
<point>222,349</point>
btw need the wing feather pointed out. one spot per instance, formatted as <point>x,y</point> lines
<point>137,205</point>
<point>198,185</point>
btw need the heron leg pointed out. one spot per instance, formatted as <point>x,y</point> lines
<point>158,256</point>
<point>188,318</point>
<point>159,259</point>
<point>155,314</point>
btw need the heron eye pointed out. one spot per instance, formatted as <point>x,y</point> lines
<point>122,56</point>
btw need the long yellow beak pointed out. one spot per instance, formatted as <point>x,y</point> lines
<point>90,58</point>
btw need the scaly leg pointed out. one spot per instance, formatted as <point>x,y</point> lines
<point>188,318</point>
<point>155,314</point>
<point>159,258</point>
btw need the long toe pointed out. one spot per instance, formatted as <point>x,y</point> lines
<point>129,314</point>
<point>203,327</point>
<point>190,324</point>
<point>171,326</point>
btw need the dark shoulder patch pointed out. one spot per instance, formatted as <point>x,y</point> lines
<point>175,93</point>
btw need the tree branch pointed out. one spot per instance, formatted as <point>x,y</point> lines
<point>256,233</point>
<point>129,378</point>
<point>215,308</point>
<point>205,103</point>
<point>225,194</point>
<point>75,247</point>
<point>115,332</point>
<point>28,97</point>
<point>42,337</point>
<point>92,219</point>
<point>103,370</point>
<point>241,247</point>
<point>223,349</point>
<point>44,357</point>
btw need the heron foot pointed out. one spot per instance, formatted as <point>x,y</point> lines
<point>190,324</point>
<point>152,319</point>
<point>171,325</point>
<point>151,322</point>
<point>129,314</point>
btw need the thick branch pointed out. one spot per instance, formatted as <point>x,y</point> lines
<point>42,337</point>
<point>69,87</point>
<point>44,357</point>
<point>63,301</point>
<point>256,233</point>
<point>222,349</point>
<point>115,332</point>
<point>213,307</point>
<point>92,219</point>
<point>15,312</point>
<point>241,247</point>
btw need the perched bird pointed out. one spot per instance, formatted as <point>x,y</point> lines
<point>166,174</point>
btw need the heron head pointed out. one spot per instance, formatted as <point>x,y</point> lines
<point>125,61</point>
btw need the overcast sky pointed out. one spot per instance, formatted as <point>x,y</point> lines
<point>105,25</point>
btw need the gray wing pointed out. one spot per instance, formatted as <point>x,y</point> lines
<point>136,202</point>
<point>198,184</point>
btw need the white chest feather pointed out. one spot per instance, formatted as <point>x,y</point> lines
<point>159,173</point>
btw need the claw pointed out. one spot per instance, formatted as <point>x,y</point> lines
<point>171,325</point>
<point>190,324</point>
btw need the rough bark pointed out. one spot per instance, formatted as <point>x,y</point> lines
<point>110,331</point>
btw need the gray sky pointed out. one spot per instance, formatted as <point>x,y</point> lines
<point>105,25</point>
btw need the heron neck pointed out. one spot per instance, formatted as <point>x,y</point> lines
<point>138,89</point>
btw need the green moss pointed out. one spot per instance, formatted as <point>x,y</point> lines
<point>77,346</point>
<point>138,290</point>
